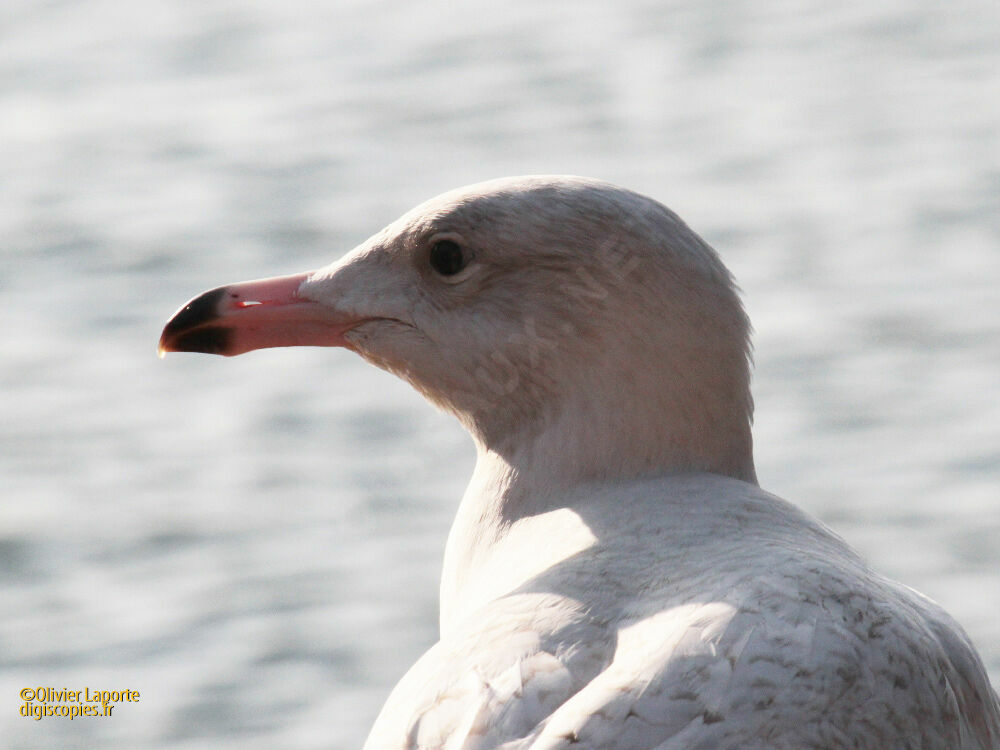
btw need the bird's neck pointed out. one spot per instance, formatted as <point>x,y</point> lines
<point>524,489</point>
<point>506,505</point>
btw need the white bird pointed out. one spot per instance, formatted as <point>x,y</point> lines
<point>615,578</point>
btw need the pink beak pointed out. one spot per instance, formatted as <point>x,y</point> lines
<point>239,318</point>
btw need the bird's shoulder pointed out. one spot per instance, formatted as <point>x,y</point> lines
<point>702,674</point>
<point>763,630</point>
<point>862,668</point>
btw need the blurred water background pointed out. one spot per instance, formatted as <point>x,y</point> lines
<point>254,544</point>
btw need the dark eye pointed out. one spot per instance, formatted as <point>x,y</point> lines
<point>447,258</point>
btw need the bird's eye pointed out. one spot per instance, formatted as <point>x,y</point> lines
<point>448,258</point>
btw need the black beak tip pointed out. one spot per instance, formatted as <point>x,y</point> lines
<point>207,340</point>
<point>199,311</point>
<point>191,329</point>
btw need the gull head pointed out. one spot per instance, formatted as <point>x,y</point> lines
<point>561,319</point>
